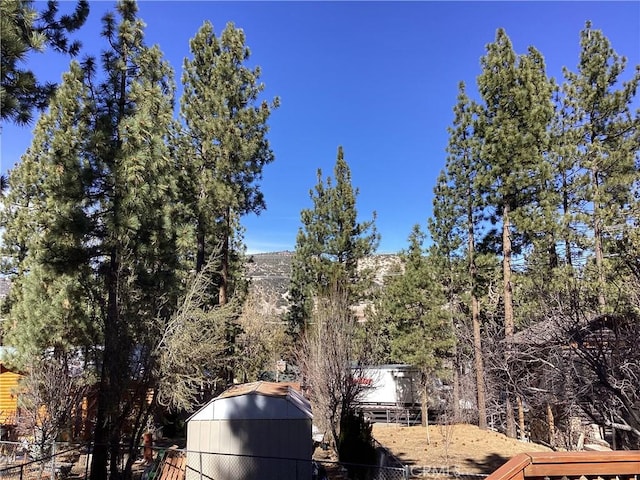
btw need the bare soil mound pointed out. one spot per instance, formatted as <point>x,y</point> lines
<point>458,448</point>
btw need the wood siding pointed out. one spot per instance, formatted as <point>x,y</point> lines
<point>8,399</point>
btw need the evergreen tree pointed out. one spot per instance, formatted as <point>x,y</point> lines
<point>600,143</point>
<point>131,168</point>
<point>222,151</point>
<point>457,214</point>
<point>515,120</point>
<point>97,223</point>
<point>445,260</point>
<point>551,260</point>
<point>329,246</point>
<point>46,301</point>
<point>23,30</point>
<point>562,190</point>
<point>607,140</point>
<point>413,306</point>
<point>224,145</point>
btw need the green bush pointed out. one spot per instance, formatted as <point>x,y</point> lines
<point>355,445</point>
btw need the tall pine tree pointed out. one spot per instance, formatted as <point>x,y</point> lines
<point>606,137</point>
<point>100,186</point>
<point>514,130</point>
<point>329,246</point>
<point>47,301</point>
<point>224,144</point>
<point>457,215</point>
<point>411,306</point>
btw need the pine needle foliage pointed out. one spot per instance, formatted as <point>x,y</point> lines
<point>412,307</point>
<point>24,30</point>
<point>223,144</point>
<point>89,224</point>
<point>330,245</point>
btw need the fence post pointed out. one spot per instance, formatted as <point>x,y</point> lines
<point>200,456</point>
<point>406,472</point>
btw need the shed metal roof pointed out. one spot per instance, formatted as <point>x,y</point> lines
<point>272,389</point>
<point>256,401</point>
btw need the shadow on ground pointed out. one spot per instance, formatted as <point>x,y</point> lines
<point>488,464</point>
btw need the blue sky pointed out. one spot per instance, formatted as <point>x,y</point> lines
<point>378,78</point>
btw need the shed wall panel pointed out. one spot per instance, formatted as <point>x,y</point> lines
<point>250,449</point>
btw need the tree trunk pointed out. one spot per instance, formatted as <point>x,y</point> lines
<point>521,424</point>
<point>509,417</point>
<point>479,363</point>
<point>597,237</point>
<point>424,407</point>
<point>597,234</point>
<point>456,366</point>
<point>565,211</point>
<point>552,426</point>
<point>508,312</point>
<point>108,392</point>
<point>223,296</point>
<point>200,246</point>
<point>456,390</point>
<point>475,321</point>
<point>101,432</point>
<point>506,275</point>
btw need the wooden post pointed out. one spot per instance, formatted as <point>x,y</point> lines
<point>552,426</point>
<point>521,418</point>
<point>147,451</point>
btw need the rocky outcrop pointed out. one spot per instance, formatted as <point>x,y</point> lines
<point>269,275</point>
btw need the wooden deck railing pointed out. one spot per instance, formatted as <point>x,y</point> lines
<point>623,465</point>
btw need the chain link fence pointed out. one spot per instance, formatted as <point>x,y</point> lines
<point>69,462</point>
<point>9,453</point>
<point>327,470</point>
<point>221,466</point>
<point>16,462</point>
<point>214,466</point>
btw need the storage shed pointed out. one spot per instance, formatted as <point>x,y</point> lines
<point>259,430</point>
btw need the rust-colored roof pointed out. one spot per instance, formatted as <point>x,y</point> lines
<point>271,389</point>
<point>255,401</point>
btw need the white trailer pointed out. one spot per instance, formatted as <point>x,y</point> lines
<point>390,393</point>
<point>394,385</point>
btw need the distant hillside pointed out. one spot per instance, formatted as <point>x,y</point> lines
<point>270,273</point>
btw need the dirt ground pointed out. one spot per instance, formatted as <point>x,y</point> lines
<point>458,448</point>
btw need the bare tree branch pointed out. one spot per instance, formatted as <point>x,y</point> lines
<point>193,347</point>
